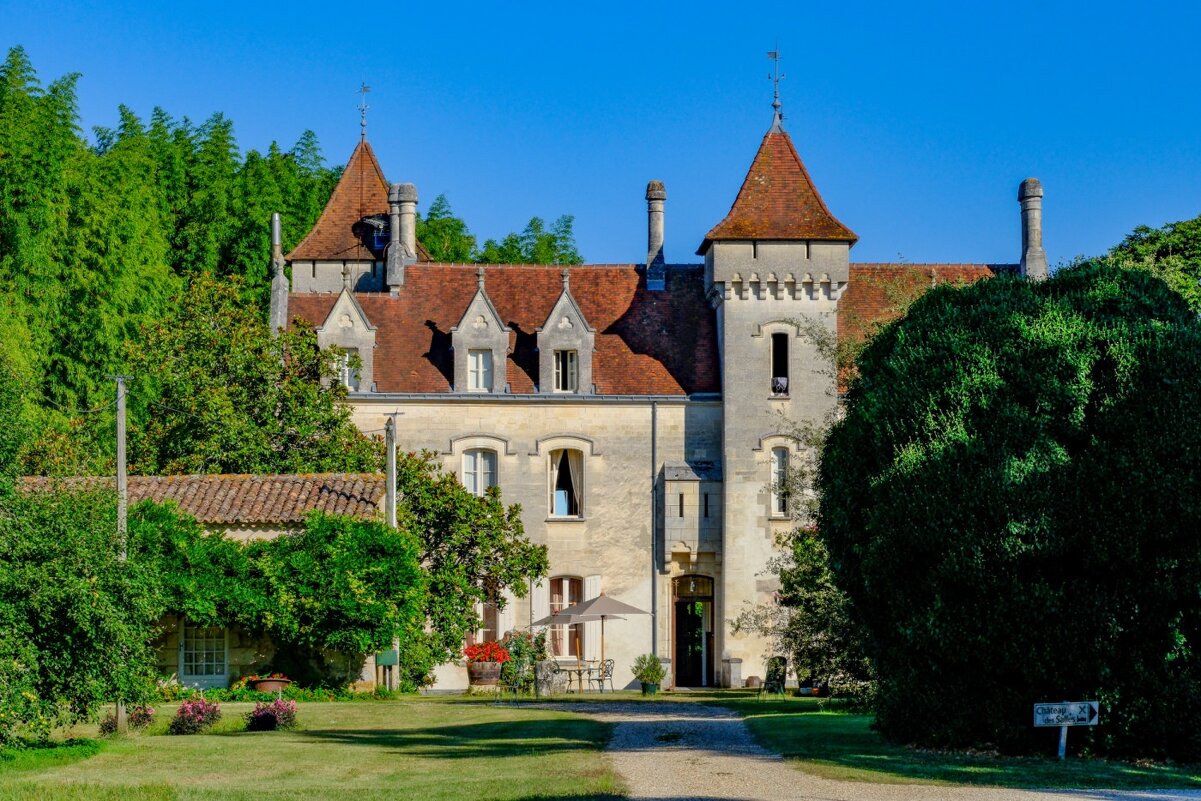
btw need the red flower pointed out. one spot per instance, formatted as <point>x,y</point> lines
<point>490,651</point>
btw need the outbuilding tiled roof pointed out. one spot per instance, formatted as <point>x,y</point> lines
<point>362,191</point>
<point>647,343</point>
<point>778,201</point>
<point>244,499</point>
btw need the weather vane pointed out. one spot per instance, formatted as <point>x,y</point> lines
<point>363,90</point>
<point>775,77</point>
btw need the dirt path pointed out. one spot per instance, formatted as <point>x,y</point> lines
<point>688,751</point>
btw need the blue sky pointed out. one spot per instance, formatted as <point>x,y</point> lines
<point>916,120</point>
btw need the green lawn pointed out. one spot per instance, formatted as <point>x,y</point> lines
<point>838,745</point>
<point>421,749</point>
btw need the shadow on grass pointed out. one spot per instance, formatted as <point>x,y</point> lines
<point>476,740</point>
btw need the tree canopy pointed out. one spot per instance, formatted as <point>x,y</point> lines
<point>1011,502</point>
<point>1172,252</point>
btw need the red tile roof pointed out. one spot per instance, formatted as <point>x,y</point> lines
<point>362,191</point>
<point>778,201</point>
<point>647,343</point>
<point>879,293</point>
<point>244,499</point>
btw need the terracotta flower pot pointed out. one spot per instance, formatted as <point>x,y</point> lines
<point>270,685</point>
<point>483,674</point>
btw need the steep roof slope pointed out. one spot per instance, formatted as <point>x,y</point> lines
<point>647,343</point>
<point>362,191</point>
<point>778,200</point>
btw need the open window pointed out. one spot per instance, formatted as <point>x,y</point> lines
<point>566,640</point>
<point>567,371</point>
<point>779,482</point>
<point>348,369</point>
<point>566,483</point>
<point>479,370</point>
<point>479,470</point>
<point>779,364</point>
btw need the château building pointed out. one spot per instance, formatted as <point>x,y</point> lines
<point>637,412</point>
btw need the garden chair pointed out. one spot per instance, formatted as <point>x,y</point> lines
<point>605,673</point>
<point>777,671</point>
<point>514,684</point>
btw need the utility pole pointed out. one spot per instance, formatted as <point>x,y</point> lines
<point>122,508</point>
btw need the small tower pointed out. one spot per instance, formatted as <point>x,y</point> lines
<point>775,268</point>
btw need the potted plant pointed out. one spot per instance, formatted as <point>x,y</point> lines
<point>483,663</point>
<point>649,671</point>
<point>270,683</point>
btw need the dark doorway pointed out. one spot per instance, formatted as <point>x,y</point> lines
<point>693,660</point>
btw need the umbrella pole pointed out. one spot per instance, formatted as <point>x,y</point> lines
<point>578,664</point>
<point>602,641</point>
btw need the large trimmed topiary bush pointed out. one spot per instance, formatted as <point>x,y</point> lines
<point>1013,503</point>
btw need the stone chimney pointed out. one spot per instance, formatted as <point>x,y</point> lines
<point>402,226</point>
<point>1034,258</point>
<point>656,270</point>
<point>278,317</point>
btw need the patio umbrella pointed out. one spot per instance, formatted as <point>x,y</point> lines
<point>601,608</point>
<point>564,617</point>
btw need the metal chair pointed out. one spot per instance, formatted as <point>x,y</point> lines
<point>604,674</point>
<point>777,672</point>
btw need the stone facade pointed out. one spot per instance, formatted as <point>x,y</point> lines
<point>651,475</point>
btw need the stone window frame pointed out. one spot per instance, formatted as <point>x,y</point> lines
<point>579,485</point>
<point>480,450</point>
<point>480,378</point>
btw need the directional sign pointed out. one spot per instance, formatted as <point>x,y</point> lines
<point>1068,713</point>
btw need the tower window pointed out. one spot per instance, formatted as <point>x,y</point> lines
<point>779,482</point>
<point>681,504</point>
<point>706,504</point>
<point>566,371</point>
<point>779,364</point>
<point>479,371</point>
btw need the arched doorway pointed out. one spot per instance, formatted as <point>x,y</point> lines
<point>692,598</point>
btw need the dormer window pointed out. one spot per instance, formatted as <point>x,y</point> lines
<point>567,371</point>
<point>348,369</point>
<point>479,370</point>
<point>779,364</point>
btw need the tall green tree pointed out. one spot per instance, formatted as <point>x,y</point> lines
<point>536,244</point>
<point>444,235</point>
<point>1011,502</point>
<point>215,392</point>
<point>1172,252</point>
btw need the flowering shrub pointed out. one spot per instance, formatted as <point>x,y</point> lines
<point>139,718</point>
<point>490,651</point>
<point>267,677</point>
<point>194,716</point>
<point>272,716</point>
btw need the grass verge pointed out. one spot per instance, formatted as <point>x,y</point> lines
<point>384,750</point>
<point>839,745</point>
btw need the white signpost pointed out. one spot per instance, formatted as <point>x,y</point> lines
<point>1064,714</point>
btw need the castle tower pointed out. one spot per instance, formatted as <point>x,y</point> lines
<point>774,270</point>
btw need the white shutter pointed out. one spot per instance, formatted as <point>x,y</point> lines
<point>504,617</point>
<point>592,629</point>
<point>540,599</point>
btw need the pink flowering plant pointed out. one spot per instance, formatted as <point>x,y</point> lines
<point>278,714</point>
<point>194,716</point>
<point>139,718</point>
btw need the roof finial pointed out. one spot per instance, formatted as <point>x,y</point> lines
<point>566,278</point>
<point>777,123</point>
<point>363,90</point>
<point>479,277</point>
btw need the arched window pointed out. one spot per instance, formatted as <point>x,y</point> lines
<point>566,640</point>
<point>779,482</point>
<point>566,483</point>
<point>479,470</point>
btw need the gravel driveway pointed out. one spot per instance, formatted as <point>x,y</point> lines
<point>687,751</point>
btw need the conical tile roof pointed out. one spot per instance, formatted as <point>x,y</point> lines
<point>362,191</point>
<point>778,200</point>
